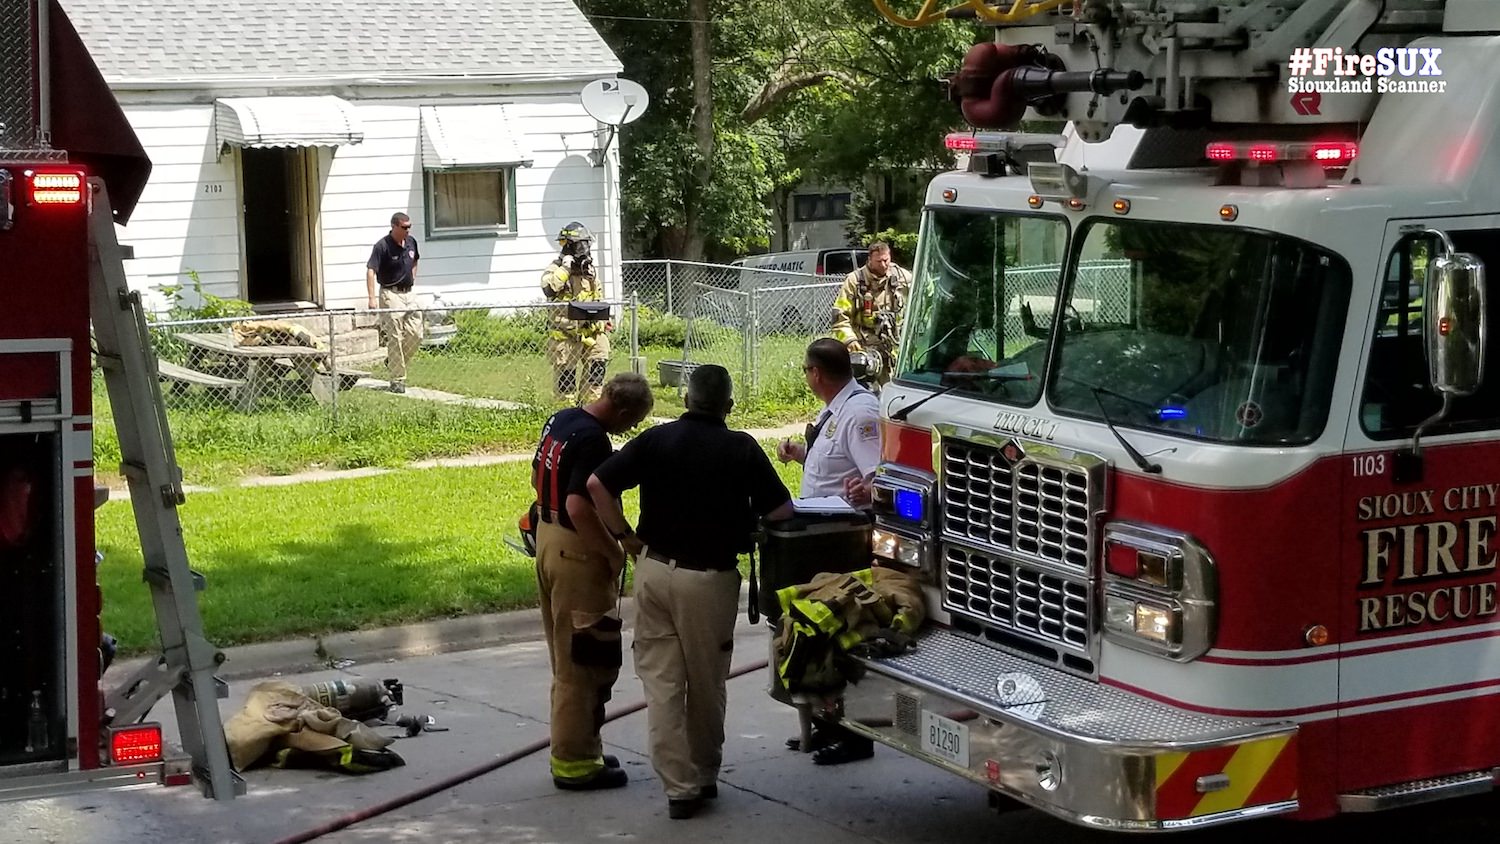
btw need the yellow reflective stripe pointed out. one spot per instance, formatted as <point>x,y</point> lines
<point>785,597</point>
<point>580,769</point>
<point>848,639</point>
<point>1246,768</point>
<point>867,577</point>
<point>1167,765</point>
<point>818,613</point>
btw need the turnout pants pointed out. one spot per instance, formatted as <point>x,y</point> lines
<point>577,594</point>
<point>569,355</point>
<point>403,331</point>
<point>684,640</point>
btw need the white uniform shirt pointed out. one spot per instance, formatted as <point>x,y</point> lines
<point>849,442</point>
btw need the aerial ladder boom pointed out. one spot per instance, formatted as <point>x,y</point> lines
<point>1187,64</point>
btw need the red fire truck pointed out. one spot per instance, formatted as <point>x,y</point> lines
<point>66,151</point>
<point>1194,439</point>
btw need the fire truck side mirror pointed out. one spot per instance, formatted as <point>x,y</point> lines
<point>1455,322</point>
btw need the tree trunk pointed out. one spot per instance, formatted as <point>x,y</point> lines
<point>703,127</point>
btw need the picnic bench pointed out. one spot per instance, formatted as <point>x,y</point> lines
<point>260,368</point>
<point>179,377</point>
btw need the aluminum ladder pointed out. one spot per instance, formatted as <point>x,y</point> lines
<point>185,669</point>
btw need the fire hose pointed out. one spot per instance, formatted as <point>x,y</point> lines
<point>461,777</point>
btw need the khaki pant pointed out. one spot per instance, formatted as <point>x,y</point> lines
<point>403,331</point>
<point>567,355</point>
<point>577,590</point>
<point>684,640</point>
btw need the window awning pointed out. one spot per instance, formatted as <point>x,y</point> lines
<point>470,136</point>
<point>286,122</point>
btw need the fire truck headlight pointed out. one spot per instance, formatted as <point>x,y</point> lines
<point>897,548</point>
<point>1160,590</point>
<point>1150,621</point>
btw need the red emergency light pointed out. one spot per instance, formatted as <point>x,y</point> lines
<point>55,187</point>
<point>135,744</point>
<point>962,143</point>
<point>1326,153</point>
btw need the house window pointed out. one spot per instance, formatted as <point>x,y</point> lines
<point>812,207</point>
<point>471,201</point>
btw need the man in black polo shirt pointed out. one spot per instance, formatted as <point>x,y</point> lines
<point>393,267</point>
<point>702,488</point>
<point>578,568</point>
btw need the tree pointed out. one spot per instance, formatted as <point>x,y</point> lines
<point>774,94</point>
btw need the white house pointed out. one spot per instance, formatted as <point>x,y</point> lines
<point>284,133</point>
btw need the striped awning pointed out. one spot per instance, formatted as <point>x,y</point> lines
<point>471,136</point>
<point>286,122</point>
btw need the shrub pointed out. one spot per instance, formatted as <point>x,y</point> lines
<point>522,331</point>
<point>670,330</point>
<point>208,305</point>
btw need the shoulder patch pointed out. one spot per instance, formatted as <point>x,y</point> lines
<point>868,431</point>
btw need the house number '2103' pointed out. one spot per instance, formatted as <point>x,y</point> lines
<point>211,188</point>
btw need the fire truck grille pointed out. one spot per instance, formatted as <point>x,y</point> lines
<point>1038,509</point>
<point>1036,603</point>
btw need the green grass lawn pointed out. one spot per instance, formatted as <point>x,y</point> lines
<point>216,444</point>
<point>315,558</point>
<point>526,377</point>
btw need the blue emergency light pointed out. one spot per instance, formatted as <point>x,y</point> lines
<point>909,504</point>
<point>1171,413</point>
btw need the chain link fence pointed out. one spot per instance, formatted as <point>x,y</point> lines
<point>672,317</point>
<point>487,357</point>
<point>755,323</point>
<point>316,386</point>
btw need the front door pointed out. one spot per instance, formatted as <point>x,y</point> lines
<point>1419,679</point>
<point>279,188</point>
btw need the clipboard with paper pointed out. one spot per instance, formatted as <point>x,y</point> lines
<point>826,505</point>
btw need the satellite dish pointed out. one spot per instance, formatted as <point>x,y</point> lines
<point>615,102</point>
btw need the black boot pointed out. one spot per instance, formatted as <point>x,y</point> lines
<point>606,778</point>
<point>850,748</point>
<point>821,738</point>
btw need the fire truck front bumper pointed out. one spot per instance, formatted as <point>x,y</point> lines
<point>1090,753</point>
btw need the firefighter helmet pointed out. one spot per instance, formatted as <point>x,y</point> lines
<point>574,232</point>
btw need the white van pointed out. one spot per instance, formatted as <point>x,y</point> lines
<point>795,290</point>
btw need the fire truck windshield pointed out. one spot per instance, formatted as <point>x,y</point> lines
<point>1208,332</point>
<point>985,289</point>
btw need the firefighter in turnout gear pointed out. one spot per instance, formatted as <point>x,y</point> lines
<point>579,334</point>
<point>867,315</point>
<point>578,569</point>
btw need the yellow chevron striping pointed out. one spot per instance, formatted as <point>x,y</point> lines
<point>1167,765</point>
<point>1246,768</point>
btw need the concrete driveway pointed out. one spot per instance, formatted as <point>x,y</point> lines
<point>494,700</point>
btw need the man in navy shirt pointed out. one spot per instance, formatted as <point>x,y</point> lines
<point>393,268</point>
<point>703,489</point>
<point>578,567</point>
